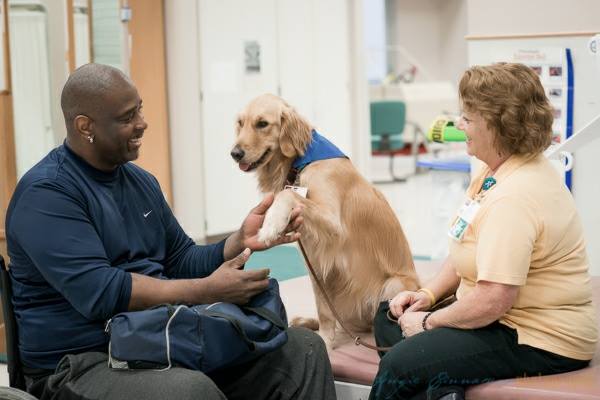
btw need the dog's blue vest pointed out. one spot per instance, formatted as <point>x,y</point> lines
<point>318,149</point>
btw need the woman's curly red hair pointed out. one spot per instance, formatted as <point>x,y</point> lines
<point>513,102</point>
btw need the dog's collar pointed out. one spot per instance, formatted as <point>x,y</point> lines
<point>319,148</point>
<point>293,177</point>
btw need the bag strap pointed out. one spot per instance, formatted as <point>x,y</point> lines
<point>172,315</point>
<point>236,325</point>
<point>267,314</point>
<point>260,311</point>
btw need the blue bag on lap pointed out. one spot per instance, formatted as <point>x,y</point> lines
<point>205,337</point>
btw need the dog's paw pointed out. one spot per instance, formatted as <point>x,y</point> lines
<point>309,323</point>
<point>268,234</point>
<point>276,221</point>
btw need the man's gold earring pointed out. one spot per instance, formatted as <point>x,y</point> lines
<point>91,139</point>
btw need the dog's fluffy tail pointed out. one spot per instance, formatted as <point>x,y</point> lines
<point>310,323</point>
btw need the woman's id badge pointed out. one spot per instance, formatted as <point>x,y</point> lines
<point>466,215</point>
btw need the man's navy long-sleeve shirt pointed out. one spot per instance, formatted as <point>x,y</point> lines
<point>74,235</point>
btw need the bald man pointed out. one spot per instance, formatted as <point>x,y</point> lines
<point>89,235</point>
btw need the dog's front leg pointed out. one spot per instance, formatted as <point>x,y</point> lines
<point>278,216</point>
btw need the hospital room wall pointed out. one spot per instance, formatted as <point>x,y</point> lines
<point>453,47</point>
<point>554,16</point>
<point>491,17</point>
<point>430,31</point>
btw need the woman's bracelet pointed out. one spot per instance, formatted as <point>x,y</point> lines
<point>429,293</point>
<point>424,323</point>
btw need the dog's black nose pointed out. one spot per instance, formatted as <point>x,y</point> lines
<point>237,153</point>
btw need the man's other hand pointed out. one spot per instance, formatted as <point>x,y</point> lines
<point>230,283</point>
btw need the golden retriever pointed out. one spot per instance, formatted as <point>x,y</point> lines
<point>351,235</point>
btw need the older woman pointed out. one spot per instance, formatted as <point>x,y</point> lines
<point>517,261</point>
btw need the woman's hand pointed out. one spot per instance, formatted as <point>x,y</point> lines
<point>411,323</point>
<point>409,301</point>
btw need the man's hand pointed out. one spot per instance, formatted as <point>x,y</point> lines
<point>230,283</point>
<point>247,235</point>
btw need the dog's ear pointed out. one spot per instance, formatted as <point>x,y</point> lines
<point>296,133</point>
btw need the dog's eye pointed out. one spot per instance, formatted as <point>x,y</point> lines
<point>262,124</point>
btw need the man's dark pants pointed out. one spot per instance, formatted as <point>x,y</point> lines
<point>298,370</point>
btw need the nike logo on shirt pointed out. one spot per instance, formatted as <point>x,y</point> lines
<point>147,213</point>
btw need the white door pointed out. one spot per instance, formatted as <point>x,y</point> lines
<point>229,29</point>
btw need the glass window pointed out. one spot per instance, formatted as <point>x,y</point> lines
<point>107,33</point>
<point>81,28</point>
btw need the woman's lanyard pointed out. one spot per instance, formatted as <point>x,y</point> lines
<point>468,211</point>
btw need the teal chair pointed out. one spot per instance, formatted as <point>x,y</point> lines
<point>388,121</point>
